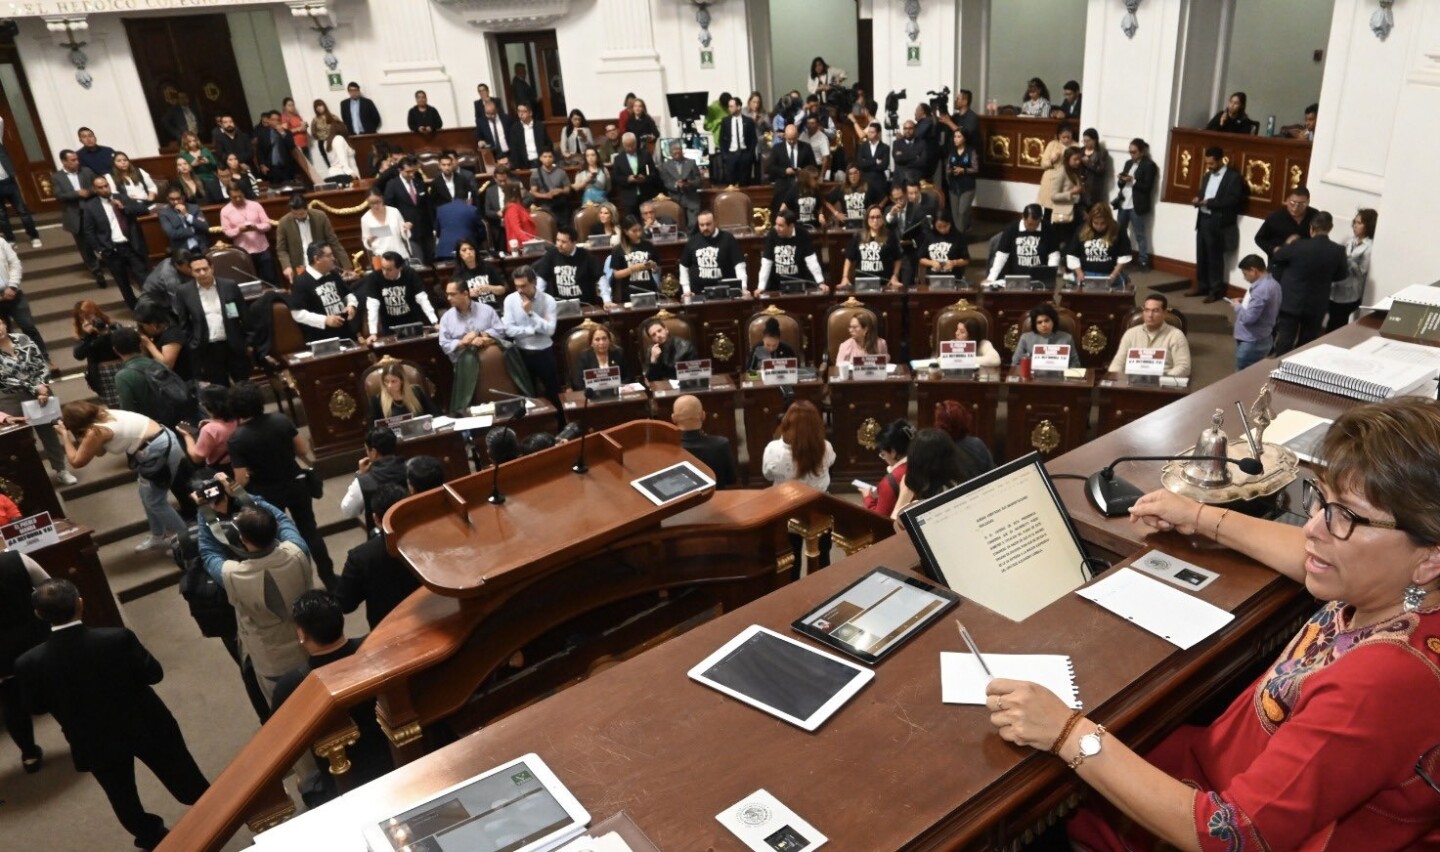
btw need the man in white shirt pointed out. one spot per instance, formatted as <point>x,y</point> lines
<point>529,318</point>
<point>815,136</point>
<point>530,139</point>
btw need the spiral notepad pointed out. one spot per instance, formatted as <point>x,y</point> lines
<point>962,681</point>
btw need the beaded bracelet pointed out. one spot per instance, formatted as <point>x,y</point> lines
<point>1065,731</point>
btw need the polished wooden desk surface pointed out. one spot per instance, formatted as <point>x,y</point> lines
<point>457,543</point>
<point>894,768</point>
<point>1125,399</point>
<point>630,404</point>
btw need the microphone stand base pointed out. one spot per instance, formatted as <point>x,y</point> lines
<point>580,467</point>
<point>1113,497</point>
<point>495,498</point>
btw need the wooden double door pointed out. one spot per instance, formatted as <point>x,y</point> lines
<point>189,59</point>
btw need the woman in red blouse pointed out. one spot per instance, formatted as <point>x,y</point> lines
<point>1337,745</point>
<point>519,227</point>
<point>893,443</point>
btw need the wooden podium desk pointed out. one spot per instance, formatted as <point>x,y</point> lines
<point>718,400</point>
<point>1099,312</point>
<point>23,476</point>
<point>1049,416</point>
<point>980,394</point>
<point>336,408</point>
<point>893,769</point>
<point>447,445</point>
<point>858,411</point>
<point>1124,399</point>
<point>76,558</point>
<point>631,404</point>
<point>761,407</point>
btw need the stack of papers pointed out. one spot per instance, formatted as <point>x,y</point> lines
<point>1376,370</point>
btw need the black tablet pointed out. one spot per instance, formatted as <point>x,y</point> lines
<point>876,614</point>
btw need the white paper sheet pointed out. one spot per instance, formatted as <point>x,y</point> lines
<point>1178,618</point>
<point>962,681</point>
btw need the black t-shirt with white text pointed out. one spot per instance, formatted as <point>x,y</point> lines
<point>788,254</point>
<point>1096,256</point>
<point>1027,249</point>
<point>949,246</point>
<point>397,298</point>
<point>570,276</point>
<point>712,258</point>
<point>870,257</point>
<point>853,202</point>
<point>485,274</point>
<point>641,280</point>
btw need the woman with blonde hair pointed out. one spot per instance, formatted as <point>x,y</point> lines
<point>607,222</point>
<point>1060,189</point>
<point>1099,249</point>
<point>195,187</point>
<point>399,396</point>
<point>200,159</point>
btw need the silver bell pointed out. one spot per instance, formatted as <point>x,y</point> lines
<point>1212,442</point>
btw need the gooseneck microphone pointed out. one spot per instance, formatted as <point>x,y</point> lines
<point>580,466</point>
<point>1113,497</point>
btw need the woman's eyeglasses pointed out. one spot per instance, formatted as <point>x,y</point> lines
<point>1339,519</point>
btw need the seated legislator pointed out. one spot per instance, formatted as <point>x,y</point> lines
<point>769,347</point>
<point>863,340</point>
<point>665,351</point>
<point>321,302</point>
<point>1024,245</point>
<point>399,396</point>
<point>1099,249</point>
<point>633,265</point>
<point>380,466</point>
<point>567,271</point>
<point>715,451</point>
<point>710,255</point>
<point>529,319</point>
<point>955,420</point>
<point>985,352</point>
<point>602,352</point>
<point>848,202</point>
<point>394,295</point>
<point>873,252</point>
<point>787,249</point>
<point>1044,323</point>
<point>944,251</point>
<point>1336,745</point>
<point>519,224</point>
<point>893,444</point>
<point>467,327</point>
<point>1155,333</point>
<point>483,280</point>
<point>1232,119</point>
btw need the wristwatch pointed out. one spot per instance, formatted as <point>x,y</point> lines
<point>1089,746</point>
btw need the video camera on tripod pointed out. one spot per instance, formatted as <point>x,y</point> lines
<point>940,101</point>
<point>892,110</point>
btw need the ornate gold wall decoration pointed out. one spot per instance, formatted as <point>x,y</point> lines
<point>1260,186</point>
<point>669,286</point>
<point>342,405</point>
<point>964,304</point>
<point>1012,337</point>
<point>722,347</point>
<point>867,433</point>
<point>1094,340</point>
<point>1000,148</point>
<point>760,218</point>
<point>1296,174</point>
<point>1045,437</point>
<point>1185,158</point>
<point>1031,147</point>
<point>401,736</point>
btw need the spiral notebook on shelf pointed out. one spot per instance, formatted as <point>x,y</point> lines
<point>963,681</point>
<point>1365,375</point>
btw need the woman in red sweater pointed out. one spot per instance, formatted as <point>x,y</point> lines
<point>519,227</point>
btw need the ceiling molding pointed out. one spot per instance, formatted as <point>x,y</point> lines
<point>508,15</point>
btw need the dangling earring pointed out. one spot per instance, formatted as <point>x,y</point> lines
<point>1414,596</point>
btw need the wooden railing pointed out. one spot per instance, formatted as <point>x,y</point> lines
<point>1270,167</point>
<point>437,658</point>
<point>1012,146</point>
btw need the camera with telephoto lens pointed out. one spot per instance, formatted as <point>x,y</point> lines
<point>940,101</point>
<point>840,97</point>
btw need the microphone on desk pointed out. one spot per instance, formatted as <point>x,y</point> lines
<point>1113,497</point>
<point>497,497</point>
<point>580,466</point>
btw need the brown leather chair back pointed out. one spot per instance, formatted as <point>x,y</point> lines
<point>285,334</point>
<point>952,315</point>
<point>733,209</point>
<point>1172,316</point>
<point>233,263</point>
<point>837,324</point>
<point>670,207</point>
<point>370,380</point>
<point>430,168</point>
<point>927,189</point>
<point>493,376</point>
<point>585,218</point>
<point>790,331</point>
<point>1069,323</point>
<point>544,224</point>
<point>679,327</point>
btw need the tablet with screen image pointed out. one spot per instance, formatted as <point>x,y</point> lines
<point>1002,539</point>
<point>876,614</point>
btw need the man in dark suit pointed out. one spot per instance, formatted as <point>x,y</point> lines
<point>633,175</point>
<point>681,178</point>
<point>786,161</point>
<point>180,119</point>
<point>114,235</point>
<point>97,682</point>
<point>1307,269</point>
<point>714,450</point>
<point>873,158</point>
<point>72,185</point>
<point>10,192</point>
<point>274,150</point>
<point>528,139</point>
<point>407,194</point>
<point>910,155</point>
<point>491,201</point>
<point>523,91</point>
<point>483,91</point>
<point>738,138</point>
<point>492,130</point>
<point>371,575</point>
<point>359,112</point>
<point>218,353</point>
<point>290,244</point>
<point>1217,210</point>
<point>451,184</point>
<point>910,220</point>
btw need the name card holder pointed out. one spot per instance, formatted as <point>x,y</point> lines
<point>603,382</point>
<point>693,375</point>
<point>780,371</point>
<point>1145,366</point>
<point>959,358</point>
<point>1051,359</point>
<point>869,368</point>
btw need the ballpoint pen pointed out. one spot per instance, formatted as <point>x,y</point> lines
<point>970,643</point>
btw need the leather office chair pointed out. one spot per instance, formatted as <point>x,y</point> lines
<point>576,342</point>
<point>678,326</point>
<point>790,331</point>
<point>285,338</point>
<point>665,206</point>
<point>837,324</point>
<point>430,168</point>
<point>371,381</point>
<point>544,224</point>
<point>233,263</point>
<point>585,218</point>
<point>1172,316</point>
<point>733,209</point>
<point>952,315</point>
<point>493,376</point>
